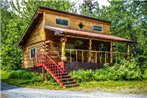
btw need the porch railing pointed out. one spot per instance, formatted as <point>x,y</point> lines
<point>79,55</point>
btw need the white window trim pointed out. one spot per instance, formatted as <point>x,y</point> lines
<point>30,53</point>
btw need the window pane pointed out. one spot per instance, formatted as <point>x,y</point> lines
<point>32,54</point>
<point>62,22</point>
<point>97,28</point>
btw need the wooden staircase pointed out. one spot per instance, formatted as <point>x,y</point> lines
<point>53,67</point>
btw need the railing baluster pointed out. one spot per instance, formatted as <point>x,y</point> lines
<point>105,57</point>
<point>82,56</point>
<point>95,57</point>
<point>100,57</point>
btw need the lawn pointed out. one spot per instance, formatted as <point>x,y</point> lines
<point>110,86</point>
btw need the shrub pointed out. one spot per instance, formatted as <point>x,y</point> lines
<point>82,75</point>
<point>145,74</point>
<point>49,77</point>
<point>29,76</point>
<point>36,78</point>
<point>126,70</point>
<point>101,74</point>
<point>20,74</point>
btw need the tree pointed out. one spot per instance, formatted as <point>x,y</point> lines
<point>15,17</point>
<point>129,20</point>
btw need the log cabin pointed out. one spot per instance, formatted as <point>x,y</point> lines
<point>60,42</point>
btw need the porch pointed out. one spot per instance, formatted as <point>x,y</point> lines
<point>93,56</point>
<point>81,47</point>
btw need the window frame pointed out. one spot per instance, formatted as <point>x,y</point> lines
<point>97,26</point>
<point>31,57</point>
<point>63,22</point>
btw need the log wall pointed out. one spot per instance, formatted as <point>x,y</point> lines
<point>35,40</point>
<point>74,21</point>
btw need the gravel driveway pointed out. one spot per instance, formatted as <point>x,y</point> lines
<point>9,91</point>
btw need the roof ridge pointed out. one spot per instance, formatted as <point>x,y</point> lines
<point>75,14</point>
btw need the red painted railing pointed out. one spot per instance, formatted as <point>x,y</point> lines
<point>53,68</point>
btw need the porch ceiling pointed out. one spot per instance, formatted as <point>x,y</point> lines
<point>87,34</point>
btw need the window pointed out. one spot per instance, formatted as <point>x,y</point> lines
<point>81,25</point>
<point>32,52</point>
<point>97,28</point>
<point>62,22</point>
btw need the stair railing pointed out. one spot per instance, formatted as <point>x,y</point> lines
<point>41,58</point>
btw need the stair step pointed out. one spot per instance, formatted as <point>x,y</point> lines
<point>62,77</point>
<point>68,79</point>
<point>69,82</point>
<point>71,85</point>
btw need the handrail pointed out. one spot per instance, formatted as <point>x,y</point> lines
<point>53,62</point>
<point>38,58</point>
<point>93,51</point>
<point>98,55</point>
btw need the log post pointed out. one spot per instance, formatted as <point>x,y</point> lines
<point>90,54</point>
<point>111,51</point>
<point>63,42</point>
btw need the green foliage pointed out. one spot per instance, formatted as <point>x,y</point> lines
<point>27,79</point>
<point>129,20</point>
<point>145,74</point>
<point>20,74</point>
<point>49,77</point>
<point>125,70</point>
<point>14,22</point>
<point>82,75</point>
<point>101,74</point>
<point>24,75</point>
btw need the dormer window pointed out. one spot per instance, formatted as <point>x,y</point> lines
<point>97,28</point>
<point>62,21</point>
<point>81,25</point>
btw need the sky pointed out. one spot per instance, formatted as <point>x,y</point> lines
<point>103,2</point>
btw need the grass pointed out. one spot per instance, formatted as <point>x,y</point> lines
<point>6,77</point>
<point>114,86</point>
<point>110,86</point>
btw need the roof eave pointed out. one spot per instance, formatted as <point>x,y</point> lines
<point>27,28</point>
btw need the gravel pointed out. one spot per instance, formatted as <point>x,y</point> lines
<point>9,91</point>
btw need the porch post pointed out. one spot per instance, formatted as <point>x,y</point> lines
<point>128,51</point>
<point>63,42</point>
<point>111,51</point>
<point>90,43</point>
<point>90,47</point>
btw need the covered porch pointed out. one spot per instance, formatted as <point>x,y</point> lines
<point>88,47</point>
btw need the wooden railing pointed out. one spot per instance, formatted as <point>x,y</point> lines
<point>79,55</point>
